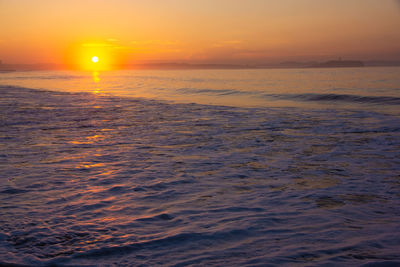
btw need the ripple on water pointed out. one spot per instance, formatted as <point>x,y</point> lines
<point>94,179</point>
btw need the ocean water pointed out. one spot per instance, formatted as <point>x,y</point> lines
<point>200,168</point>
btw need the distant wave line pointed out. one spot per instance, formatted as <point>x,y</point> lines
<point>339,98</point>
<point>214,91</point>
<point>391,100</point>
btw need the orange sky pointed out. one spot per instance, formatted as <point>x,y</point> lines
<point>198,31</point>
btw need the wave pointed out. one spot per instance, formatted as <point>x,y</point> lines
<point>167,241</point>
<point>390,100</point>
<point>107,180</point>
<point>51,77</point>
<point>220,92</point>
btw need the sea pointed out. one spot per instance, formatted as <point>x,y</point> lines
<point>253,167</point>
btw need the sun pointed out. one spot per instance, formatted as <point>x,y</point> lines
<point>92,57</point>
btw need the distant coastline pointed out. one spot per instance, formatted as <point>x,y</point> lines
<point>339,64</point>
<point>4,68</point>
<point>191,66</point>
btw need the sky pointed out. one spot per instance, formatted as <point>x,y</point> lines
<point>198,31</point>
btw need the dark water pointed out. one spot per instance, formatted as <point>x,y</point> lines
<point>93,179</point>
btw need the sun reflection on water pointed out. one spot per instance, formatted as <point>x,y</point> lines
<point>96,76</point>
<point>96,80</point>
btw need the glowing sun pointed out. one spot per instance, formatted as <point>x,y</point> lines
<point>95,59</point>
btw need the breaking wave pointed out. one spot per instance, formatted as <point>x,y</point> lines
<point>339,98</point>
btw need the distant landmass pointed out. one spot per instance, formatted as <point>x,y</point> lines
<point>331,64</point>
<point>27,67</point>
<point>179,65</point>
<point>3,68</point>
<point>287,64</point>
<point>339,64</point>
<point>173,65</point>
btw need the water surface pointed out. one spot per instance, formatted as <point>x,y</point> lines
<point>127,170</point>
